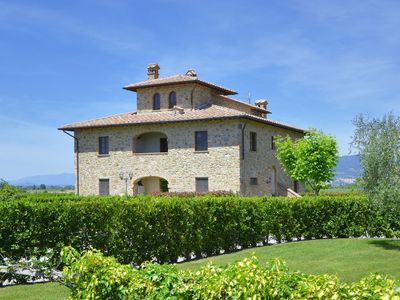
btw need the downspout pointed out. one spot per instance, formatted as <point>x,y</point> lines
<point>77,160</point>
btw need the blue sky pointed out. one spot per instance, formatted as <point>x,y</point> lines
<point>319,63</point>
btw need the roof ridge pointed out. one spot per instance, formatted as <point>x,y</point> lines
<point>174,79</point>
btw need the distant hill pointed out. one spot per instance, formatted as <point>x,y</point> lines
<point>349,166</point>
<point>347,170</point>
<point>51,179</point>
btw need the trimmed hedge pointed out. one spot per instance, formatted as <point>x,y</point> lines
<point>93,276</point>
<point>165,228</point>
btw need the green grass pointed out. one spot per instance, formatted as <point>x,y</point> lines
<point>350,259</point>
<point>42,291</point>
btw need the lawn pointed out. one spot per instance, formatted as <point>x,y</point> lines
<point>350,259</point>
<point>40,291</point>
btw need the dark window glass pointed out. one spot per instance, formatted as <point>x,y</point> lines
<point>156,102</point>
<point>201,141</point>
<point>202,185</point>
<point>163,145</point>
<point>103,145</point>
<point>253,181</point>
<point>172,100</point>
<point>296,186</point>
<point>104,187</point>
<point>272,142</point>
<point>253,141</point>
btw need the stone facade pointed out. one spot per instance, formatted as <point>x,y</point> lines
<point>262,163</point>
<point>222,164</point>
<point>179,166</point>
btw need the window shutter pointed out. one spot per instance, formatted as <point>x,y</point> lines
<point>201,141</point>
<point>253,141</point>
<point>202,185</point>
<point>103,145</point>
<point>104,187</point>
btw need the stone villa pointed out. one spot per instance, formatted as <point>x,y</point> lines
<point>187,135</point>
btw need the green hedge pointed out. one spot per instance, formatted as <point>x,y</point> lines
<point>165,228</point>
<point>94,276</point>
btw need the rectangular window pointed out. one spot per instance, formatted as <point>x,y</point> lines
<point>202,184</point>
<point>163,145</point>
<point>104,187</point>
<point>253,141</point>
<point>103,145</point>
<point>273,142</point>
<point>201,141</point>
<point>253,181</point>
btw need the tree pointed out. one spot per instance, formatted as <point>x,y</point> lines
<point>309,160</point>
<point>378,142</point>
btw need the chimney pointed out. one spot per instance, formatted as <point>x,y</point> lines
<point>262,103</point>
<point>152,71</point>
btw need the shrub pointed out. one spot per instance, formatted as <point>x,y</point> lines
<point>163,229</point>
<point>9,192</point>
<point>93,276</point>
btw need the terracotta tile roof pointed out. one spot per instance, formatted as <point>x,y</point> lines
<point>177,79</point>
<point>255,107</point>
<point>212,112</point>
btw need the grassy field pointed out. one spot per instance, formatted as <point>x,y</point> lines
<point>350,259</point>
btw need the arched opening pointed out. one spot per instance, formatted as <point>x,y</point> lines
<point>151,142</point>
<point>150,184</point>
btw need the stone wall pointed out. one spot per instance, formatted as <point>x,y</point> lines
<point>261,164</point>
<point>201,96</point>
<point>180,165</point>
<point>184,99</point>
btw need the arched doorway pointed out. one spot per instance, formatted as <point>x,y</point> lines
<point>150,184</point>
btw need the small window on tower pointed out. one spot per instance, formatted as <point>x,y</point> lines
<point>172,100</point>
<point>156,102</point>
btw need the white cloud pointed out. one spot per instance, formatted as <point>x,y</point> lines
<point>103,35</point>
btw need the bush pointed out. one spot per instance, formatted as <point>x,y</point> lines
<point>162,229</point>
<point>93,276</point>
<point>9,192</point>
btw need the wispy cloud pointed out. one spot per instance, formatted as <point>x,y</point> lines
<point>103,35</point>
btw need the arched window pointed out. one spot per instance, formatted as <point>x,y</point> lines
<point>156,101</point>
<point>172,100</point>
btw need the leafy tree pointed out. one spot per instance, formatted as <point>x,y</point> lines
<point>42,186</point>
<point>309,160</point>
<point>378,141</point>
